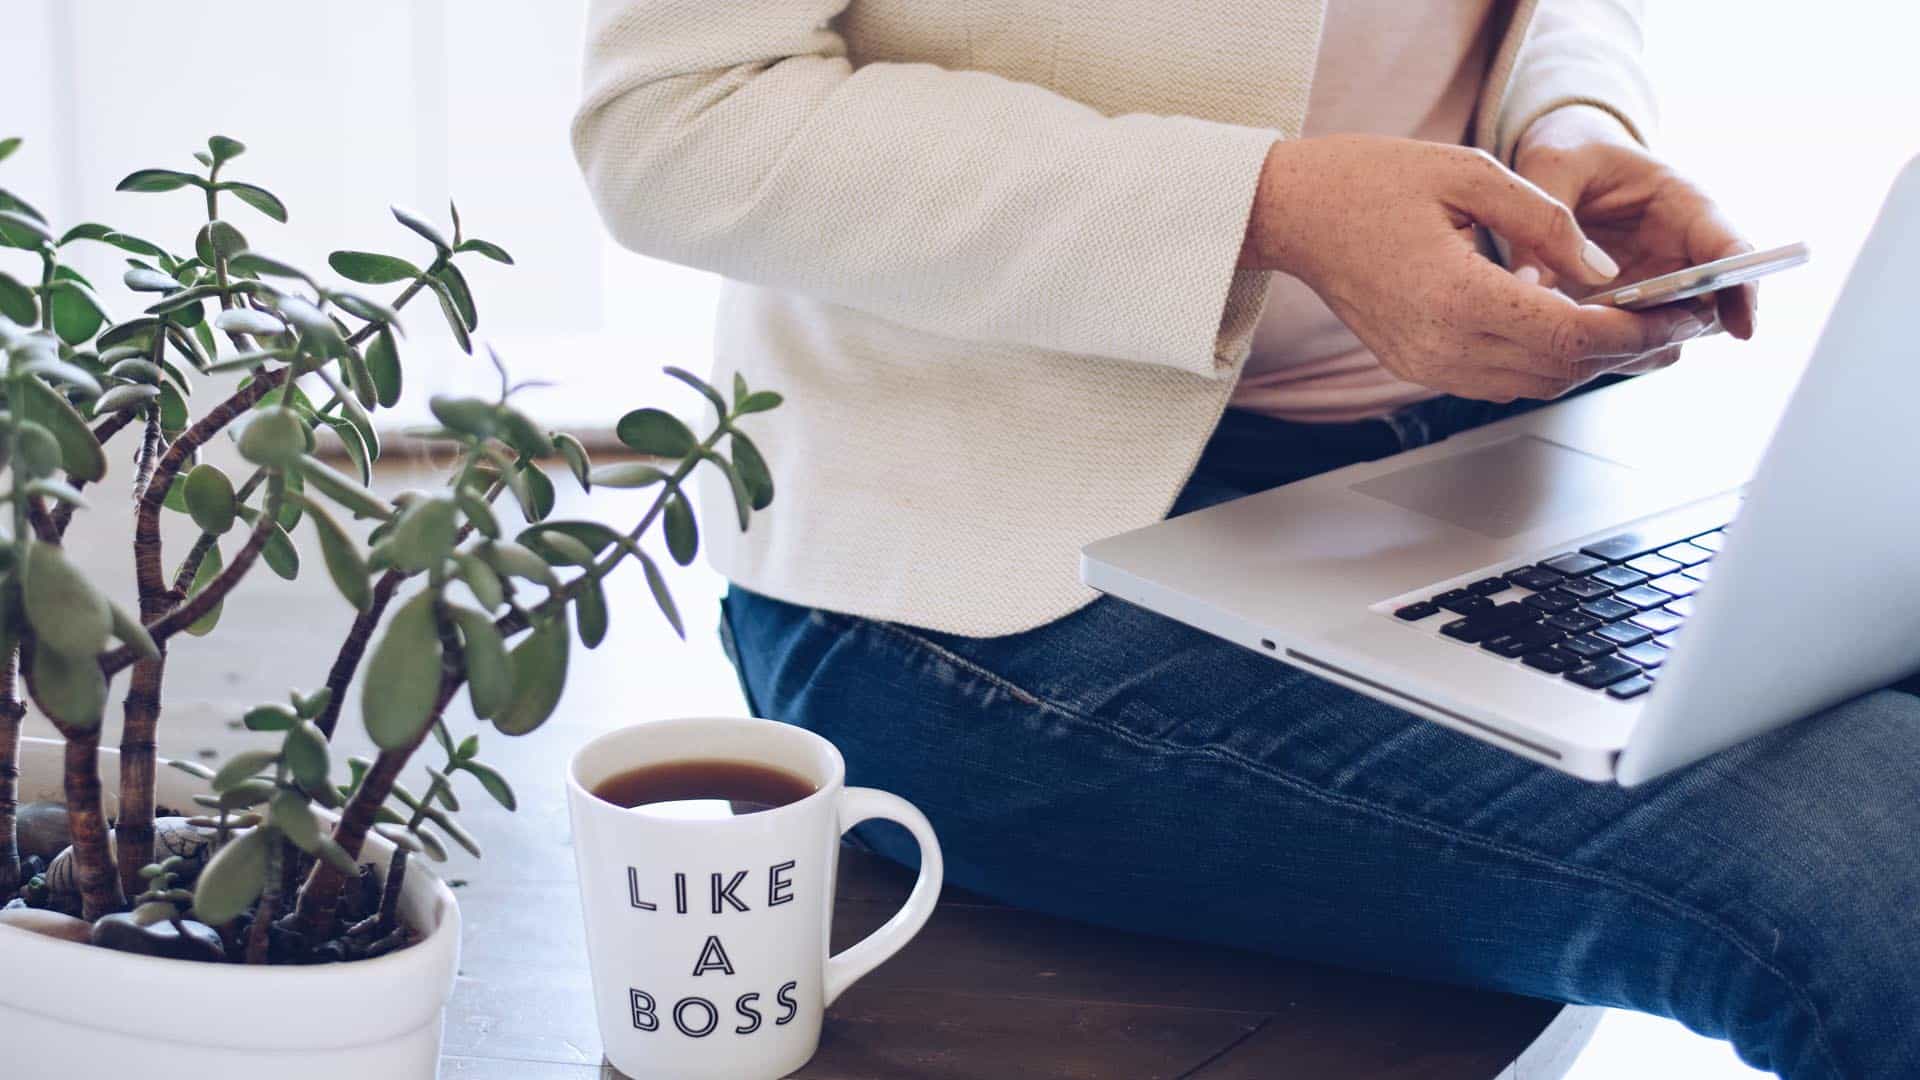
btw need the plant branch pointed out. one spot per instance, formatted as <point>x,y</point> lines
<point>347,660</point>
<point>517,620</point>
<point>413,289</point>
<point>37,516</point>
<point>320,896</point>
<point>100,892</point>
<point>183,578</point>
<point>148,572</point>
<point>102,431</point>
<point>11,712</point>
<point>205,600</point>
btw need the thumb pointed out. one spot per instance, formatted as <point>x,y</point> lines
<point>1539,228</point>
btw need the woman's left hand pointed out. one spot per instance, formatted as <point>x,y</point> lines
<point>1648,217</point>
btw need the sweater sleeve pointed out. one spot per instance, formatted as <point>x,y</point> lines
<point>1580,52</point>
<point>737,137</point>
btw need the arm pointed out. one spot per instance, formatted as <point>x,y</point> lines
<point>737,137</point>
<point>1580,52</point>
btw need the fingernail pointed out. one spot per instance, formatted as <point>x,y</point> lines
<point>1528,275</point>
<point>1599,261</point>
<point>1685,330</point>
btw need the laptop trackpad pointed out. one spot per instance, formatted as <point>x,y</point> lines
<point>1504,489</point>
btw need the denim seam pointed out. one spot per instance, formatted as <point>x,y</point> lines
<point>1634,888</point>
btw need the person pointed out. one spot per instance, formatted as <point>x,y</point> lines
<point>1031,274</point>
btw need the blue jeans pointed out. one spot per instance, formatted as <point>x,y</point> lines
<point>1119,768</point>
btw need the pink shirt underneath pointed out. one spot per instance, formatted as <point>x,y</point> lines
<point>1409,68</point>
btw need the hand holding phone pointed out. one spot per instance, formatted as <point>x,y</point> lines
<point>1704,278</point>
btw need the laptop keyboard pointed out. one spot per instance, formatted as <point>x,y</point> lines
<point>1601,617</point>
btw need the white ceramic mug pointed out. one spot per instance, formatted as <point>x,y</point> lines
<point>708,937</point>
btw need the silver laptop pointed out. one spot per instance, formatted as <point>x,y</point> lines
<point>1600,585</point>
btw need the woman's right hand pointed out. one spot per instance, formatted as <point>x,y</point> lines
<point>1383,230</point>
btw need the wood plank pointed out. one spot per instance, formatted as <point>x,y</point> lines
<point>882,1034</point>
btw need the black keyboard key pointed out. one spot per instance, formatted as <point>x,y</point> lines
<point>1451,594</point>
<point>1619,577</point>
<point>1510,614</point>
<point>1659,620</point>
<point>1630,688</point>
<point>1646,654</point>
<point>1619,548</point>
<point>1414,612</point>
<point>1537,578</point>
<point>1676,585</point>
<point>1553,603</point>
<point>1608,609</point>
<point>1488,586</point>
<point>1552,661</point>
<point>1585,588</point>
<point>1539,635</point>
<point>1624,633</point>
<point>1586,646</point>
<point>1521,640</point>
<point>1712,541</point>
<point>1602,671</point>
<point>1573,563</point>
<point>1507,645</point>
<point>1466,605</point>
<point>1682,607</point>
<point>1573,622</point>
<point>1488,623</point>
<point>1686,554</point>
<point>1654,565</point>
<point>1642,597</point>
<point>1631,545</point>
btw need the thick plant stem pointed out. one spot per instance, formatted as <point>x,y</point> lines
<point>133,836</point>
<point>100,892</point>
<point>320,896</point>
<point>86,819</point>
<point>146,527</point>
<point>389,915</point>
<point>347,660</point>
<point>258,938</point>
<point>11,711</point>
<point>142,710</point>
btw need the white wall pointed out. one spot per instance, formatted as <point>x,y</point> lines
<point>348,106</point>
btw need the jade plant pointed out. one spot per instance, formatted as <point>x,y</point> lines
<point>440,600</point>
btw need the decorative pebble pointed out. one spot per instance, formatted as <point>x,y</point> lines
<point>162,938</point>
<point>47,923</point>
<point>42,829</point>
<point>171,836</point>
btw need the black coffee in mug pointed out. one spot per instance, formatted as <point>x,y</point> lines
<point>704,788</point>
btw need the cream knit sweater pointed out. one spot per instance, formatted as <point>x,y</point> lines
<point>986,250</point>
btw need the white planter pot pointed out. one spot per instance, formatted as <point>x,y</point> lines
<point>75,1012</point>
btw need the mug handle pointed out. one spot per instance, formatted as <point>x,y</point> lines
<point>858,804</point>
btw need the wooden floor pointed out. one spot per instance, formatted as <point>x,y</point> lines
<point>983,992</point>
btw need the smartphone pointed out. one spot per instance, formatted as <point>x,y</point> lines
<point>1705,278</point>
